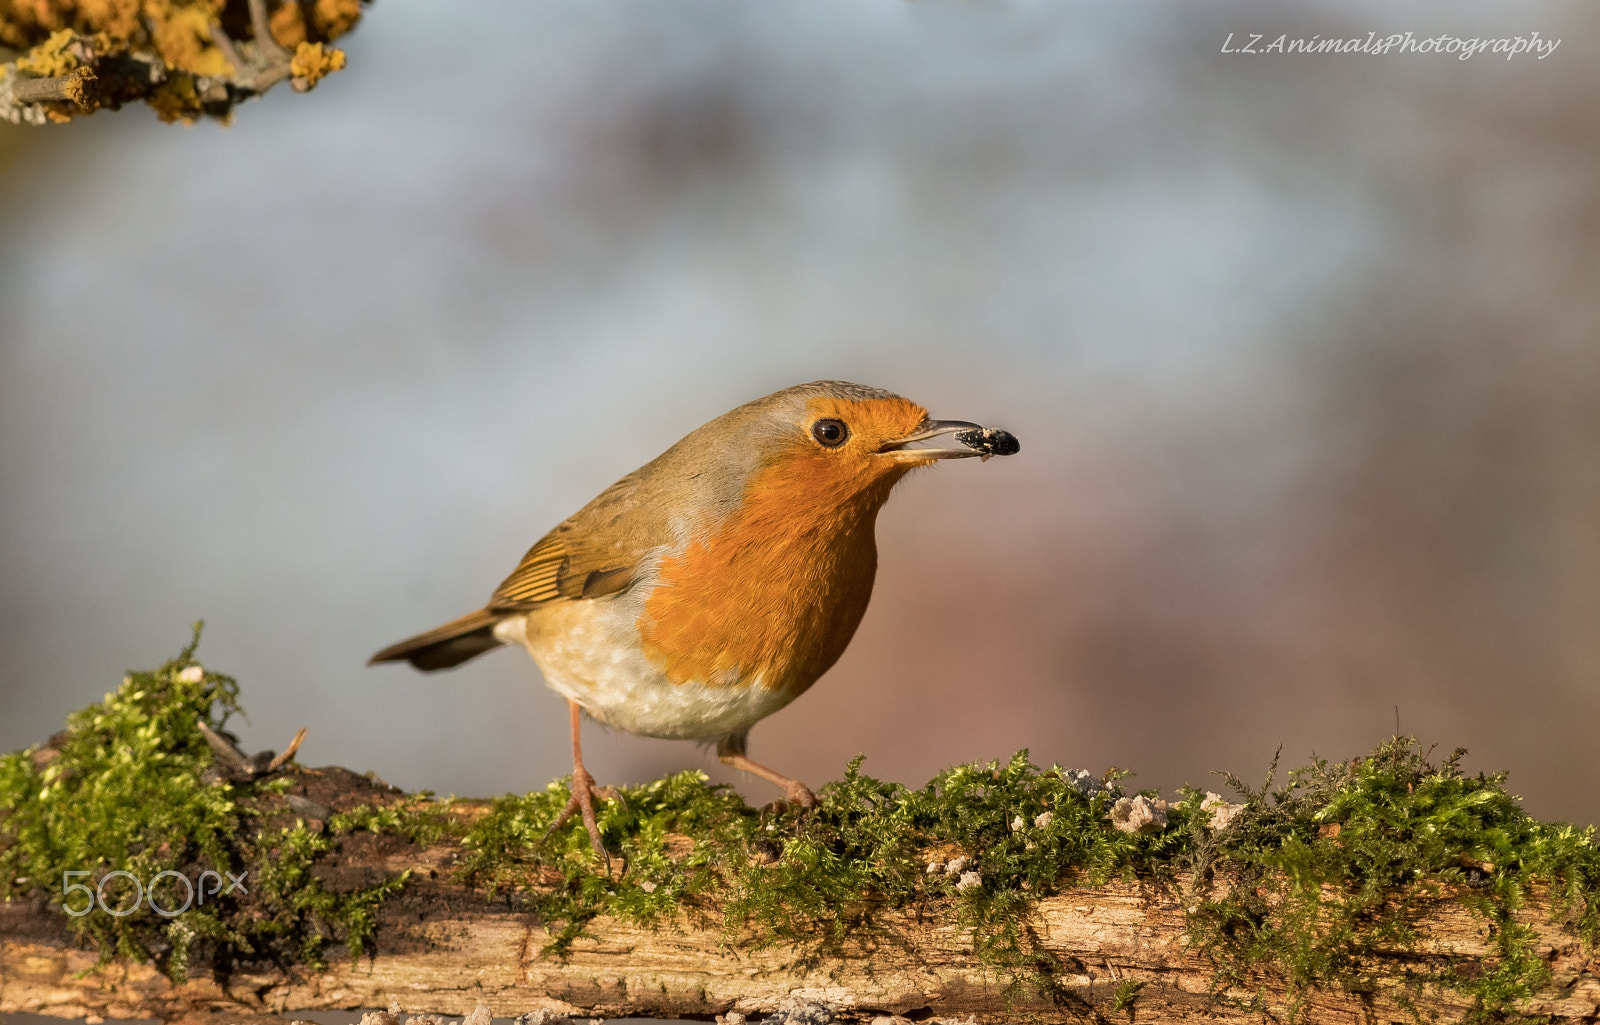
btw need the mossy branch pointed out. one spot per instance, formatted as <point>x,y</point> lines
<point>1390,887</point>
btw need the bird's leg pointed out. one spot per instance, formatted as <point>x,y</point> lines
<point>583,792</point>
<point>730,751</point>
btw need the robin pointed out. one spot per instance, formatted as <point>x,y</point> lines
<point>710,587</point>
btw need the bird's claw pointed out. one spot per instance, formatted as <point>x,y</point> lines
<point>584,792</point>
<point>796,795</point>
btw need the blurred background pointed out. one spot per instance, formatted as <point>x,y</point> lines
<point>1303,351</point>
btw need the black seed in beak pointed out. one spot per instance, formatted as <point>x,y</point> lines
<point>991,441</point>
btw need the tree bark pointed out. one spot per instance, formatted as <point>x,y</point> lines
<point>444,949</point>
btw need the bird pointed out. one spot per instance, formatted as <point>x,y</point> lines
<point>712,586</point>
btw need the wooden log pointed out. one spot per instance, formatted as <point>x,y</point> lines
<point>443,948</point>
<point>1361,892</point>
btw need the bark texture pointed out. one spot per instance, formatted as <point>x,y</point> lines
<point>444,949</point>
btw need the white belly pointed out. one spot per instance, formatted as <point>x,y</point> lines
<point>589,651</point>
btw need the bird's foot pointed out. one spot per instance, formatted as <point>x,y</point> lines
<point>584,793</point>
<point>730,751</point>
<point>796,795</point>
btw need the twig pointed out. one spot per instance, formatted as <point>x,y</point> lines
<point>41,90</point>
<point>227,751</point>
<point>265,41</point>
<point>77,87</point>
<point>226,46</point>
<point>236,765</point>
<point>288,752</point>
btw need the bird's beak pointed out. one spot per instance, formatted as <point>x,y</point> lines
<point>972,440</point>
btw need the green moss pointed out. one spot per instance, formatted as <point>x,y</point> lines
<point>1126,994</point>
<point>1321,881</point>
<point>672,834</point>
<point>814,879</point>
<point>421,823</point>
<point>299,909</point>
<point>1327,874</point>
<point>121,809</point>
<point>1317,881</point>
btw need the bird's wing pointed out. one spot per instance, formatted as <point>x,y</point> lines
<point>587,556</point>
<point>537,578</point>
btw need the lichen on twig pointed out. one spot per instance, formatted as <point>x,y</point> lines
<point>187,59</point>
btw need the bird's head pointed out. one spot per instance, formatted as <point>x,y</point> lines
<point>846,444</point>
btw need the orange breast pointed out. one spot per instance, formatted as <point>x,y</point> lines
<point>778,588</point>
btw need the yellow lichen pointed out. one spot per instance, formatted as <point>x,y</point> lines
<point>183,35</point>
<point>333,18</point>
<point>188,58</point>
<point>176,100</point>
<point>38,13</point>
<point>118,19</point>
<point>313,62</point>
<point>52,57</point>
<point>289,25</point>
<point>80,87</point>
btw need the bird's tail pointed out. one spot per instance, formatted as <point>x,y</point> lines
<point>445,646</point>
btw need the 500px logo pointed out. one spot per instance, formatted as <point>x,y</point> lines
<point>194,893</point>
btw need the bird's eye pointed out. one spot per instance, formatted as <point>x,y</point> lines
<point>830,433</point>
